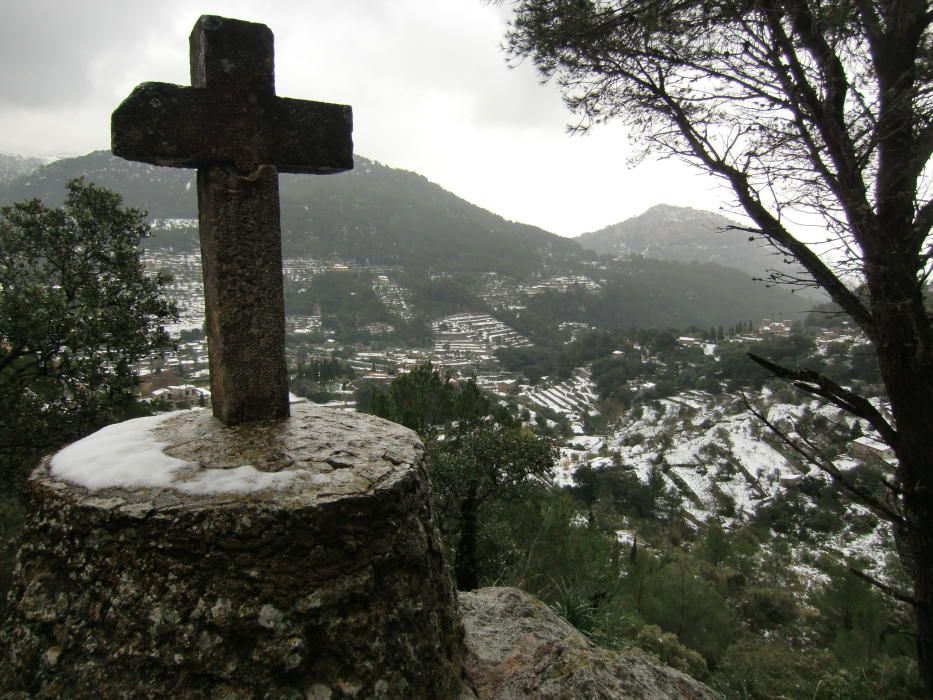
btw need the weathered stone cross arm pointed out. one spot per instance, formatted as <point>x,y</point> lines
<point>165,124</point>
<point>239,134</point>
<point>231,114</point>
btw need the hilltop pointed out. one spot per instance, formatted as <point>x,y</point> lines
<point>682,234</point>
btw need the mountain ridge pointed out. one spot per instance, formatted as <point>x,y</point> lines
<point>372,214</point>
<point>376,216</point>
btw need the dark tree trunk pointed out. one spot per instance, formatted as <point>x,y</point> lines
<point>922,550</point>
<point>467,568</point>
<point>908,381</point>
<point>893,266</point>
<point>915,456</point>
<point>905,356</point>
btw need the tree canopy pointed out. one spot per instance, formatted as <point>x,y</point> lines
<point>76,311</point>
<point>809,111</point>
<point>477,453</point>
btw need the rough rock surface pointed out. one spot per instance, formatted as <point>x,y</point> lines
<point>331,585</point>
<point>517,647</point>
<point>241,258</point>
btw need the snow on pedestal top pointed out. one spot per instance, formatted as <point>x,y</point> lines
<point>127,455</point>
<point>317,453</point>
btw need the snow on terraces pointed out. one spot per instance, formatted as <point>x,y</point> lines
<point>708,448</point>
<point>174,224</point>
<point>302,269</point>
<point>499,292</point>
<point>186,289</point>
<point>572,397</point>
<point>714,451</point>
<point>723,460</point>
<point>562,283</point>
<point>468,333</point>
<point>393,297</point>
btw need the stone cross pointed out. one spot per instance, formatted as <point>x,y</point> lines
<point>232,127</point>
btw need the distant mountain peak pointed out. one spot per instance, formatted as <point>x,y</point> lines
<point>682,234</point>
<point>677,212</point>
<point>664,208</point>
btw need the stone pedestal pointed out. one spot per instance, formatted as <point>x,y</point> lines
<point>295,558</point>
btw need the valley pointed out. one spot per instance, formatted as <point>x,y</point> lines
<point>384,270</point>
<point>679,415</point>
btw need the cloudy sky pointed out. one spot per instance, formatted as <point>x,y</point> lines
<point>427,79</point>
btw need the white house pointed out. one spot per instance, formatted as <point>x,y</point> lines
<point>866,447</point>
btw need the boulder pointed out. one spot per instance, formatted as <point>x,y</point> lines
<point>517,647</point>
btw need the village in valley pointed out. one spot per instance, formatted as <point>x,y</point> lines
<point>705,443</point>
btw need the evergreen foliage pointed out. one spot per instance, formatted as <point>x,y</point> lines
<point>477,454</point>
<point>313,379</point>
<point>76,311</point>
<point>646,293</point>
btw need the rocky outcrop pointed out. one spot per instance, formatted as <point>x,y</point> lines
<point>294,558</point>
<point>517,647</point>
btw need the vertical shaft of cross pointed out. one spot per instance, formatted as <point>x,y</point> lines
<point>241,257</point>
<point>241,250</point>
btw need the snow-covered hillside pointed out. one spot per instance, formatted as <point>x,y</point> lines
<point>13,166</point>
<point>726,464</point>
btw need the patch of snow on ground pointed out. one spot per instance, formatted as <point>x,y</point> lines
<point>710,445</point>
<point>754,453</point>
<point>707,445</point>
<point>244,479</point>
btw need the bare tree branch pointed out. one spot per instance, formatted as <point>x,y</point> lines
<point>864,496</point>
<point>884,588</point>
<point>822,386</point>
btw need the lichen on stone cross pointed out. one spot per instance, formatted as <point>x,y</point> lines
<point>239,134</point>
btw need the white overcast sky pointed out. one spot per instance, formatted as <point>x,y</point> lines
<point>427,80</point>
